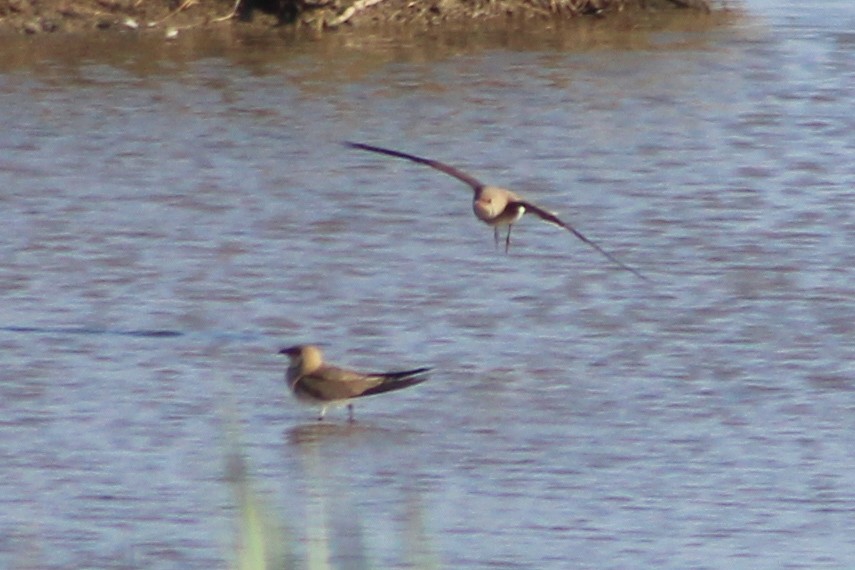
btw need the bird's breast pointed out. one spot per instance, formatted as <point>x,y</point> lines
<point>491,215</point>
<point>493,205</point>
<point>484,211</point>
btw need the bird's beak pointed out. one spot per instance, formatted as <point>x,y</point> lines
<point>290,351</point>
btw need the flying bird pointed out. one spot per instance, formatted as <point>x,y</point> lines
<point>496,206</point>
<point>318,384</point>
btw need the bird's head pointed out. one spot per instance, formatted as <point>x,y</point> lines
<point>307,356</point>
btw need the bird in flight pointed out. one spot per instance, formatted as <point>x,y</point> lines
<point>497,206</point>
<point>318,384</point>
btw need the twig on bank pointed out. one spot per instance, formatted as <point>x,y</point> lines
<point>184,5</point>
<point>231,14</point>
<point>351,11</point>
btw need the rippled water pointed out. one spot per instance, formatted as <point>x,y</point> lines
<point>174,214</point>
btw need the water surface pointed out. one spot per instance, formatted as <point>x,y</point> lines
<point>174,213</point>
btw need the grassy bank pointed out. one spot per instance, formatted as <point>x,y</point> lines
<point>92,16</point>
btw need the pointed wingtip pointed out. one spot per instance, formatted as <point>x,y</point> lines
<point>352,144</point>
<point>418,372</point>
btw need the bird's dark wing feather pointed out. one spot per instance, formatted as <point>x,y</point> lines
<point>331,383</point>
<point>442,167</point>
<point>551,218</point>
<point>397,380</point>
<point>400,375</point>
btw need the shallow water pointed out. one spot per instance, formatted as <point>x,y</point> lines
<point>174,213</point>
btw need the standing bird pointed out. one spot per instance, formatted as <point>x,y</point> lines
<point>319,384</point>
<point>496,206</point>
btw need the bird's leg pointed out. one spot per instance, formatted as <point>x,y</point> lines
<point>350,413</point>
<point>508,239</point>
<point>323,412</point>
<point>496,236</point>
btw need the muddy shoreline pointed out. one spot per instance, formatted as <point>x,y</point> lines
<point>171,17</point>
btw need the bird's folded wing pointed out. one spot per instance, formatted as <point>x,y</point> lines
<point>401,374</point>
<point>333,383</point>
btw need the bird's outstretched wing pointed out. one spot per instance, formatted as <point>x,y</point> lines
<point>442,167</point>
<point>551,218</point>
